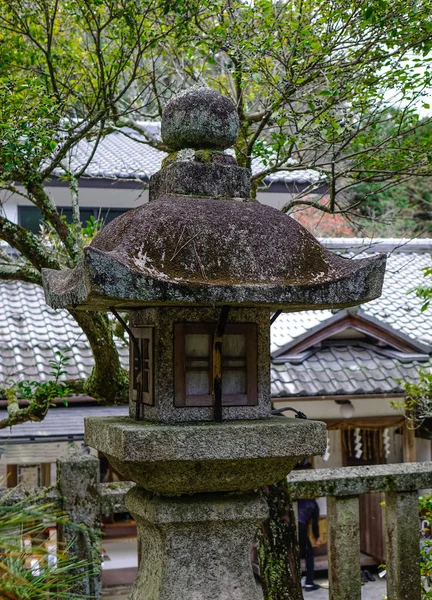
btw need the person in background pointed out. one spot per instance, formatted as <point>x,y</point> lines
<point>308,510</point>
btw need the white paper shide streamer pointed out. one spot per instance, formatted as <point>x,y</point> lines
<point>358,446</point>
<point>386,442</point>
<point>326,454</point>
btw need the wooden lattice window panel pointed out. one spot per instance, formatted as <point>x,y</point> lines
<point>194,364</point>
<point>142,365</point>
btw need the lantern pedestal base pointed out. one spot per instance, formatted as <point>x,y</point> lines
<point>196,547</point>
<point>194,458</point>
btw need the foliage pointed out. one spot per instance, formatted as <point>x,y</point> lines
<point>48,390</point>
<point>29,517</point>
<point>396,210</point>
<point>329,86</point>
<point>417,404</point>
<point>425,292</point>
<point>92,227</point>
<point>39,395</point>
<point>323,224</point>
<point>29,124</point>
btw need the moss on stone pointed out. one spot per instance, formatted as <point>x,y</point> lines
<point>168,160</point>
<point>206,156</point>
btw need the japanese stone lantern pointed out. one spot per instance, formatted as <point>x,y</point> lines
<point>200,269</point>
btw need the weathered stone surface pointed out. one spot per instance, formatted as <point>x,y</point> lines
<point>199,179</point>
<point>402,545</point>
<point>78,484</point>
<point>196,548</point>
<point>112,496</point>
<point>10,496</point>
<point>184,250</point>
<point>200,118</point>
<point>343,528</point>
<point>229,456</point>
<point>350,481</point>
<point>196,243</point>
<point>163,320</point>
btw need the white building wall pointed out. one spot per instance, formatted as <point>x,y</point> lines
<point>423,450</point>
<point>328,409</point>
<point>108,197</point>
<point>9,206</point>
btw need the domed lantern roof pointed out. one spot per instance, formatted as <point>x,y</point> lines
<point>201,239</point>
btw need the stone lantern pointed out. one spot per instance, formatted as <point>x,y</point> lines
<point>200,269</point>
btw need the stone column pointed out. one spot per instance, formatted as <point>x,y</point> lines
<point>197,547</point>
<point>409,443</point>
<point>343,520</point>
<point>78,483</point>
<point>402,546</point>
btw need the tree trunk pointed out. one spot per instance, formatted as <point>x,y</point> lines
<point>108,380</point>
<point>278,549</point>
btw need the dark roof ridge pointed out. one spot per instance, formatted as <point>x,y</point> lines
<point>318,333</point>
<point>403,357</point>
<point>399,245</point>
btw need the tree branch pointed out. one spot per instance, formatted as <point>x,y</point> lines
<point>50,212</point>
<point>28,244</point>
<point>16,272</point>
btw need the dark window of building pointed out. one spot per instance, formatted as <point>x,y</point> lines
<point>194,364</point>
<point>31,218</point>
<point>142,364</point>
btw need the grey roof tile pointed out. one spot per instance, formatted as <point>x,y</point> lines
<point>119,156</point>
<point>352,369</point>
<point>340,371</point>
<point>28,343</point>
<point>60,422</point>
<point>396,307</point>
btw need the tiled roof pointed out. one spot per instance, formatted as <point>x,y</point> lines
<point>353,369</point>
<point>396,307</point>
<point>117,156</point>
<point>31,332</point>
<point>59,422</point>
<point>120,156</point>
<point>343,370</point>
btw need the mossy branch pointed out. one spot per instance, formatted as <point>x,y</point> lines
<point>27,243</point>
<point>41,199</point>
<point>16,272</point>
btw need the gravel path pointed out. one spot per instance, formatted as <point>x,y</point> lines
<point>374,590</point>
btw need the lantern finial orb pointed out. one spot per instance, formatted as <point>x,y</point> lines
<point>200,118</point>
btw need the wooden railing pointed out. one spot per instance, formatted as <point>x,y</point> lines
<point>79,493</point>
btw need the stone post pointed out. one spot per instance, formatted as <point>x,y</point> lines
<point>78,483</point>
<point>409,442</point>
<point>196,548</point>
<point>343,520</point>
<point>402,546</point>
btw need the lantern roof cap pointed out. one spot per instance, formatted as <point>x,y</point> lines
<point>201,240</point>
